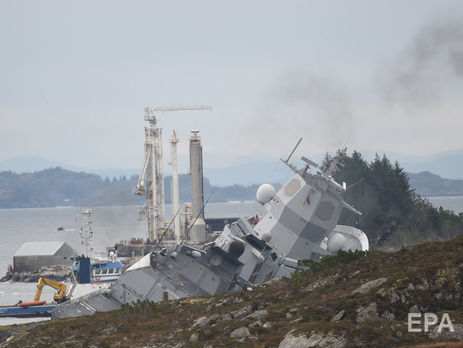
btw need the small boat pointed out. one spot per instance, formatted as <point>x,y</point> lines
<point>89,275</point>
<point>89,272</point>
<point>86,271</point>
<point>37,308</point>
<point>20,310</point>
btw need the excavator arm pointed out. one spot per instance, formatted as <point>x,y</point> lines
<point>60,296</point>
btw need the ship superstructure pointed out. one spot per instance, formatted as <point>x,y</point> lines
<point>90,272</point>
<point>300,220</point>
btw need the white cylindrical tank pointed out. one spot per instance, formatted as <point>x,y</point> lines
<point>198,230</point>
<point>265,193</point>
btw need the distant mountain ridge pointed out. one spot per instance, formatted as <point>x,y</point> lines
<point>446,164</point>
<point>61,187</point>
<point>29,164</point>
<point>57,186</point>
<point>428,184</point>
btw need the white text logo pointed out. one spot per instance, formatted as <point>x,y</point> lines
<point>429,319</point>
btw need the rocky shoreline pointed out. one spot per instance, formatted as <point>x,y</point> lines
<point>59,273</point>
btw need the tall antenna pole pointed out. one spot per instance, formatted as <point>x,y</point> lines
<point>173,162</point>
<point>86,232</point>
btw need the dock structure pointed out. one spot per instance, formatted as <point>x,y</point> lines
<point>135,248</point>
<point>33,255</point>
<point>151,179</point>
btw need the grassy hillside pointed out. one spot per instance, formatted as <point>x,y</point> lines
<point>362,301</point>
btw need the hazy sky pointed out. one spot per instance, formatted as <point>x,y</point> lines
<point>378,75</point>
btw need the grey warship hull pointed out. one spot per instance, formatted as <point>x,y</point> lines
<point>297,222</point>
<point>181,271</point>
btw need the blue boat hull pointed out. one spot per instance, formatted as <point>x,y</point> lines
<point>33,311</point>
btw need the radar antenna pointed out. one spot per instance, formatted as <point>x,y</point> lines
<point>292,166</point>
<point>335,163</point>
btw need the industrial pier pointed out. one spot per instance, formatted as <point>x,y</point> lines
<point>189,223</point>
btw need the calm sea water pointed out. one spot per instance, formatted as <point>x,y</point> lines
<point>454,204</point>
<point>110,224</point>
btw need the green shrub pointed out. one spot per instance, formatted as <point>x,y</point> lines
<point>342,257</point>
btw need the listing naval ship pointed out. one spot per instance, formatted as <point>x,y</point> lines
<point>297,222</point>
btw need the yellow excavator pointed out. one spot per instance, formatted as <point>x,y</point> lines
<point>59,297</point>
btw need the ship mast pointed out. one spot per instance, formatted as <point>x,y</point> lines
<point>86,232</point>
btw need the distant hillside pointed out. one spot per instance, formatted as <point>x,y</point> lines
<point>256,171</point>
<point>29,164</point>
<point>428,184</point>
<point>61,187</point>
<point>447,164</point>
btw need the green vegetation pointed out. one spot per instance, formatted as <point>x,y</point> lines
<point>342,257</point>
<point>393,214</point>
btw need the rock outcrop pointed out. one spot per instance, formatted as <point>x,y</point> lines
<point>314,340</point>
<point>56,272</point>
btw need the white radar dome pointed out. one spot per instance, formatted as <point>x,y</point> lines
<point>336,242</point>
<point>266,236</point>
<point>265,193</point>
